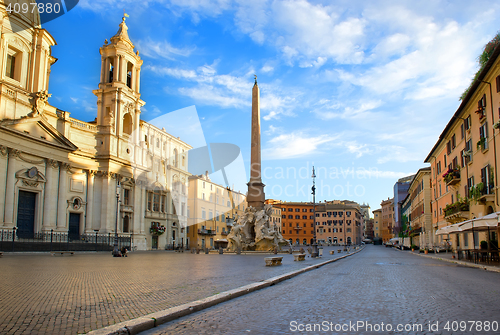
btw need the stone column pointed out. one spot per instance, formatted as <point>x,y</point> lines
<point>3,178</point>
<point>62,203</point>
<point>137,80</point>
<point>10,189</point>
<point>116,69</point>
<point>256,195</point>
<point>137,127</point>
<point>105,208</point>
<point>142,211</point>
<point>103,69</point>
<point>50,193</point>
<point>107,63</point>
<point>90,225</point>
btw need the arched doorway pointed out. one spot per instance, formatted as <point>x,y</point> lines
<point>489,210</point>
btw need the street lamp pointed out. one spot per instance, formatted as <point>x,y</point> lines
<point>116,252</point>
<point>315,245</point>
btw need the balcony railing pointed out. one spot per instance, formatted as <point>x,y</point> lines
<point>206,232</point>
<point>452,177</point>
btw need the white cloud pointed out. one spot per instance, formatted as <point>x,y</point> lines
<point>294,145</point>
<point>161,49</point>
<point>329,111</point>
<point>267,68</point>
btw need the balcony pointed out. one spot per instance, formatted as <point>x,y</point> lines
<point>487,194</point>
<point>297,228</point>
<point>457,211</point>
<point>225,233</point>
<point>206,232</point>
<point>452,177</point>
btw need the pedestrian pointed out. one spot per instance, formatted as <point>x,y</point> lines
<point>124,251</point>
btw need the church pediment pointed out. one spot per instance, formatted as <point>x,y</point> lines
<point>38,129</point>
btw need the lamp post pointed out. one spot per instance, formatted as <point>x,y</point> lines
<point>116,252</point>
<point>344,224</point>
<point>315,245</point>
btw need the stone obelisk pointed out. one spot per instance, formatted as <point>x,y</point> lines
<point>255,196</point>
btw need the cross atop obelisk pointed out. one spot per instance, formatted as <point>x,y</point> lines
<point>255,196</point>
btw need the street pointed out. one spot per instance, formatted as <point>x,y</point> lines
<point>372,292</point>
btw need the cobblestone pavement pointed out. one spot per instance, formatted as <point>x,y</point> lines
<point>378,285</point>
<point>42,294</point>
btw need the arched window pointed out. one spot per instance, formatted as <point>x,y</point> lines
<point>127,124</point>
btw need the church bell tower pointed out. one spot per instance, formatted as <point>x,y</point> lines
<point>118,96</point>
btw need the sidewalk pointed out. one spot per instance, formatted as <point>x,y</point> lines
<point>43,294</point>
<point>448,257</point>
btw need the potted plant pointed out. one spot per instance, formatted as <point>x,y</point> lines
<point>157,230</point>
<point>481,143</point>
<point>426,250</point>
<point>413,247</point>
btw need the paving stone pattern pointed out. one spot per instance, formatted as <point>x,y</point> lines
<point>376,285</point>
<point>43,294</point>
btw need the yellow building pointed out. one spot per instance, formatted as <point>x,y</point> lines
<point>464,160</point>
<point>212,211</point>
<point>377,223</point>
<point>422,231</point>
<point>387,224</point>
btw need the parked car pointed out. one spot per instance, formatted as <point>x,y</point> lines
<point>389,244</point>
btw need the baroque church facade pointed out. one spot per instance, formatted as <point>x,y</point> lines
<point>65,175</point>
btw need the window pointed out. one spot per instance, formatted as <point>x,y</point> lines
<point>486,180</point>
<point>304,217</point>
<point>150,201</point>
<point>467,123</point>
<point>498,83</point>
<point>462,131</point>
<point>453,142</point>
<point>283,216</point>
<point>448,147</point>
<point>290,209</point>
<point>468,151</point>
<point>454,165</point>
<point>203,214</point>
<point>11,66</point>
<point>470,183</point>
<point>483,137</point>
<point>297,209</point>
<point>163,202</point>
<point>290,216</point>
<point>438,167</point>
<point>297,216</point>
<point>126,197</point>
<point>210,214</point>
<point>304,209</point>
<point>156,200</point>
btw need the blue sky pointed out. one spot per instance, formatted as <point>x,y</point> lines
<point>360,89</point>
